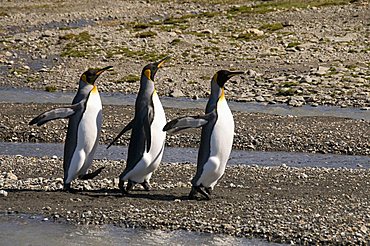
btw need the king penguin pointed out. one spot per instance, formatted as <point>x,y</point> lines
<point>84,128</point>
<point>216,138</point>
<point>146,145</point>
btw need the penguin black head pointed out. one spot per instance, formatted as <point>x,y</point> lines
<point>151,69</point>
<point>223,75</point>
<point>92,74</point>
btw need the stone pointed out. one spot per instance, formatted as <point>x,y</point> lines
<point>207,31</point>
<point>176,93</point>
<point>47,33</point>
<point>255,31</point>
<point>345,39</point>
<point>295,103</point>
<point>322,70</point>
<point>364,229</point>
<point>260,99</point>
<point>3,193</point>
<point>251,73</point>
<point>11,176</point>
<point>306,79</point>
<point>116,181</point>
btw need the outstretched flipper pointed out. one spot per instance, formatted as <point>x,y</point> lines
<point>91,175</point>
<point>127,128</point>
<point>186,122</point>
<point>57,113</point>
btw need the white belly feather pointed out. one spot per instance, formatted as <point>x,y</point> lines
<point>151,160</point>
<point>221,145</point>
<point>87,137</point>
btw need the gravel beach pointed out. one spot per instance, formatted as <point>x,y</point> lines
<point>254,131</point>
<point>325,206</point>
<point>308,52</point>
<point>295,53</point>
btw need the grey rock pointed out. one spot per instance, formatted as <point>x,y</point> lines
<point>322,70</point>
<point>11,176</point>
<point>260,99</point>
<point>255,31</point>
<point>295,103</point>
<point>306,79</point>
<point>207,31</point>
<point>251,73</point>
<point>3,193</point>
<point>176,93</point>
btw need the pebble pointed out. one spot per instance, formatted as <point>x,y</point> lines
<point>255,31</point>
<point>322,70</point>
<point>176,93</point>
<point>11,176</point>
<point>3,193</point>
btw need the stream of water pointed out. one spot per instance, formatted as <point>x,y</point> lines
<point>183,155</point>
<point>34,230</point>
<point>24,95</point>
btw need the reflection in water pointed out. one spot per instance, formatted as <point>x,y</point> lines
<point>20,230</point>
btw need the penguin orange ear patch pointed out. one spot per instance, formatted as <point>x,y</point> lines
<point>83,78</point>
<point>147,73</point>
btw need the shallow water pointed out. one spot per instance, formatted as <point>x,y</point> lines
<point>182,155</point>
<point>51,26</point>
<point>25,95</point>
<point>21,230</point>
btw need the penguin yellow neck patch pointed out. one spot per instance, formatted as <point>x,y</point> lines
<point>147,73</point>
<point>222,96</point>
<point>94,89</point>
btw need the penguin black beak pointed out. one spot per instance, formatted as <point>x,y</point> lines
<point>100,71</point>
<point>232,74</point>
<point>161,62</point>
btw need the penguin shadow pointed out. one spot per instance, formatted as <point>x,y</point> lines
<point>136,194</point>
<point>139,194</point>
<point>30,190</point>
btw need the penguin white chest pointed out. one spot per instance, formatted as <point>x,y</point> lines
<point>158,136</point>
<point>220,146</point>
<point>91,121</point>
<point>159,121</point>
<point>151,160</point>
<point>223,133</point>
<point>88,134</point>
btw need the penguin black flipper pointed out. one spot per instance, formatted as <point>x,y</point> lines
<point>91,175</point>
<point>186,122</point>
<point>147,123</point>
<point>57,113</point>
<point>127,128</point>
